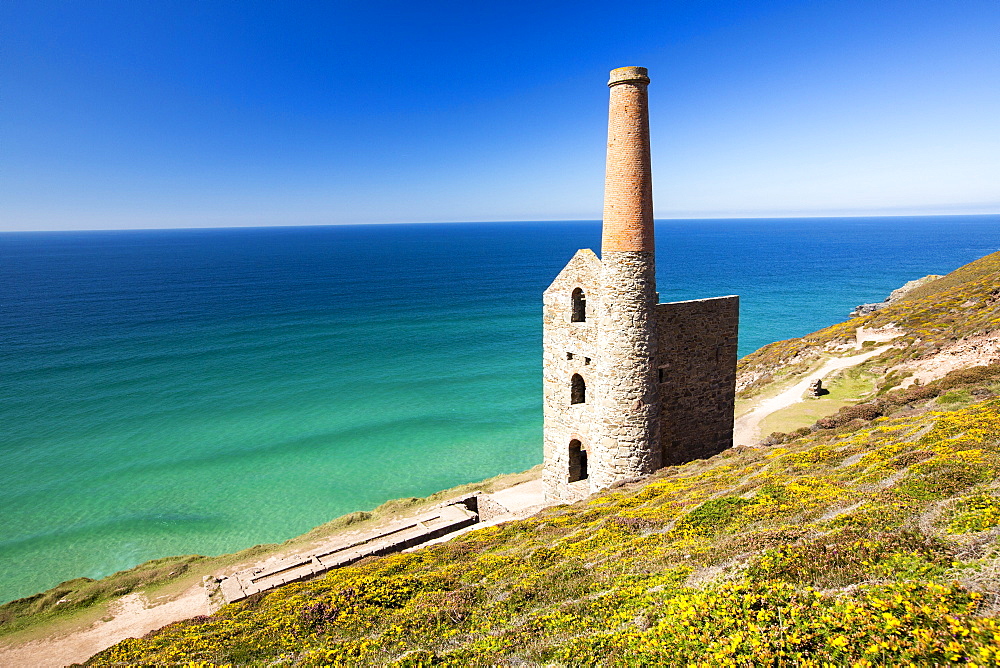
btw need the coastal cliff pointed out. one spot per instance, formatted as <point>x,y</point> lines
<point>896,295</point>
<point>930,318</point>
<point>869,537</point>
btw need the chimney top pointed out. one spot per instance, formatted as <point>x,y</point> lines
<point>629,74</point>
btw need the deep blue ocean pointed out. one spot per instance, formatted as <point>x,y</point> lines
<point>201,391</point>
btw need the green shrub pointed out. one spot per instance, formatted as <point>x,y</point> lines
<point>972,376</point>
<point>713,515</point>
<point>955,397</point>
<point>913,394</point>
<point>848,557</point>
<point>853,415</point>
<point>937,479</point>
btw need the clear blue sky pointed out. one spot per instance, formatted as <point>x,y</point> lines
<point>125,113</point>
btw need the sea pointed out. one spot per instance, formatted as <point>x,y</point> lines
<point>168,392</point>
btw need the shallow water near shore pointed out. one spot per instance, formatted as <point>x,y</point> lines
<point>201,391</point>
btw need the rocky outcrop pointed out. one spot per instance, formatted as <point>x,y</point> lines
<point>865,309</point>
<point>895,296</point>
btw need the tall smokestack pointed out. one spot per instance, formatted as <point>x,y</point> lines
<point>628,185</point>
<point>628,412</point>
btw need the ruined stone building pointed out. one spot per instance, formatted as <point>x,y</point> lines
<point>630,385</point>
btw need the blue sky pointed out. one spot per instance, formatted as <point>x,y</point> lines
<point>121,114</point>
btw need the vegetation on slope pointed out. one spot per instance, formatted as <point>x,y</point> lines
<point>80,595</point>
<point>84,600</point>
<point>869,546</point>
<point>964,303</point>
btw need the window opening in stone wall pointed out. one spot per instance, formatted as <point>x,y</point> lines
<point>586,360</point>
<point>579,306</point>
<point>577,461</point>
<point>569,356</point>
<point>577,390</point>
<point>660,375</point>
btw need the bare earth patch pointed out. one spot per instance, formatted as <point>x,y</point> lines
<point>979,350</point>
<point>878,335</point>
<point>133,616</point>
<point>974,351</point>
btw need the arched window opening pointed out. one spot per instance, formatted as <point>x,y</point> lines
<point>577,390</point>
<point>577,461</point>
<point>579,306</point>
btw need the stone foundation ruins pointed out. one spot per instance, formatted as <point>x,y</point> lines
<point>438,523</point>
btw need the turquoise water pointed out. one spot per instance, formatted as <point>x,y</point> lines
<point>201,391</point>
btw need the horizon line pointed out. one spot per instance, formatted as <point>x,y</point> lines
<point>519,220</point>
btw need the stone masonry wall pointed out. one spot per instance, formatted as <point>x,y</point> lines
<point>568,348</point>
<point>628,415</point>
<point>697,356</point>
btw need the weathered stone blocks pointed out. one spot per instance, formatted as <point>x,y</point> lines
<point>696,369</point>
<point>569,348</point>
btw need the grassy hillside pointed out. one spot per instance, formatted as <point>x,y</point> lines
<point>964,303</point>
<point>874,543</point>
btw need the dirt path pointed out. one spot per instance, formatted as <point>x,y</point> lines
<point>747,427</point>
<point>134,617</point>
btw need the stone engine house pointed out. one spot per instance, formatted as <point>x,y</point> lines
<point>630,385</point>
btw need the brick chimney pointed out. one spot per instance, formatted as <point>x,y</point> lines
<point>628,185</point>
